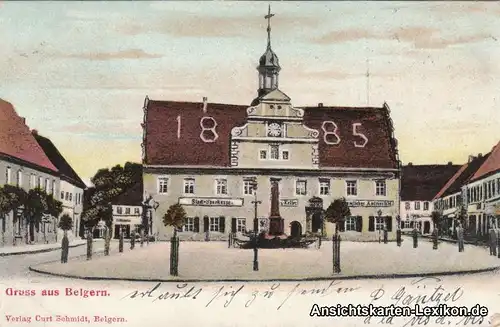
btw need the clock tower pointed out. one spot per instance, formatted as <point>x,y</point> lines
<point>269,66</point>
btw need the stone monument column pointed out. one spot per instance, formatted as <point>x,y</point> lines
<point>276,223</point>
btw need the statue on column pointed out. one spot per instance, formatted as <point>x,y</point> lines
<point>276,223</point>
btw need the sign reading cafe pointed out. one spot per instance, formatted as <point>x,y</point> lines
<point>212,202</point>
<point>370,203</point>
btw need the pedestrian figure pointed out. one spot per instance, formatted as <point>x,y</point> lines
<point>415,238</point>
<point>493,242</point>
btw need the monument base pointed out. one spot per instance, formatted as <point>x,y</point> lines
<point>276,226</point>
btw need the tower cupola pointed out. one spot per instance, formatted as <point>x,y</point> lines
<point>269,66</point>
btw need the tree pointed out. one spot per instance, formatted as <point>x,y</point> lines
<point>108,183</point>
<point>65,223</point>
<point>175,217</point>
<point>7,204</point>
<point>15,198</point>
<point>337,211</point>
<point>35,207</point>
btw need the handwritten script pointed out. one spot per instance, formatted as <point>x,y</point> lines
<point>226,294</point>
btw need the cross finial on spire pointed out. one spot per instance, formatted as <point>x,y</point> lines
<point>268,17</point>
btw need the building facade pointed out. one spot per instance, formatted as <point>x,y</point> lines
<point>71,186</point>
<point>127,212</point>
<point>453,200</point>
<point>209,156</point>
<point>482,193</point>
<point>419,185</point>
<point>23,163</point>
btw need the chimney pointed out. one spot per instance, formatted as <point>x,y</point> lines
<point>471,157</point>
<point>23,120</point>
<point>410,164</point>
<point>205,99</point>
<point>479,155</point>
<point>34,132</point>
<point>320,105</point>
<point>450,163</point>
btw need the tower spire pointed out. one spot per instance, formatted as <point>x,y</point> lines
<point>268,17</point>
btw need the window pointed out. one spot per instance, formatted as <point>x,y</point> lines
<point>380,188</point>
<point>32,181</point>
<point>241,225</point>
<point>214,224</point>
<point>324,187</point>
<point>189,186</point>
<point>285,154</point>
<point>301,188</point>
<point>127,211</point>
<point>350,224</point>
<point>263,154</point>
<point>71,196</point>
<point>62,195</point>
<point>248,187</point>
<point>137,211</point>
<point>188,225</point>
<point>119,210</point>
<point>417,205</point>
<point>352,188</point>
<point>274,152</point>
<point>379,223</point>
<point>407,205</point>
<point>221,186</point>
<point>8,172</point>
<point>162,185</point>
<point>67,196</point>
<point>19,179</point>
<point>407,224</point>
<point>426,205</point>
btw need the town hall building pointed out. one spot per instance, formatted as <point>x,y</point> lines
<point>215,159</point>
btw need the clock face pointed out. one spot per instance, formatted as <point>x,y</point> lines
<point>274,129</point>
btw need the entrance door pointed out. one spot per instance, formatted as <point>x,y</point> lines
<point>317,222</point>
<point>295,229</point>
<point>427,227</point>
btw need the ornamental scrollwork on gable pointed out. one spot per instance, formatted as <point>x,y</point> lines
<point>298,112</point>
<point>251,110</point>
<point>239,130</point>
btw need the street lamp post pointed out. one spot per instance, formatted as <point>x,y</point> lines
<point>255,228</point>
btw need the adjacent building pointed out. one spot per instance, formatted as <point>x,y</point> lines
<point>23,163</point>
<point>482,193</point>
<point>419,186</point>
<point>453,197</point>
<point>71,186</point>
<point>127,211</point>
<point>209,157</point>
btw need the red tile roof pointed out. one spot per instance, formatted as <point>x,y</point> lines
<point>164,147</point>
<point>16,139</point>
<point>490,166</point>
<point>462,177</point>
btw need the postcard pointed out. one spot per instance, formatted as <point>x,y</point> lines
<point>244,163</point>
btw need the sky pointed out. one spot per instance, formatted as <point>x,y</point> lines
<point>79,71</point>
